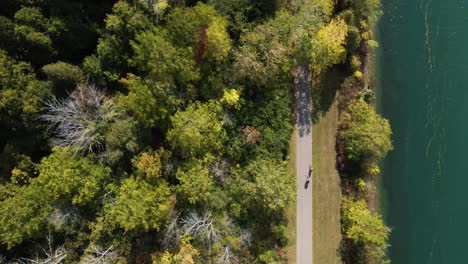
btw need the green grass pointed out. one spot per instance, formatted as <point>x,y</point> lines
<point>326,190</point>
<point>291,211</point>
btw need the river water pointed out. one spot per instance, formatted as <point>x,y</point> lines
<point>422,78</point>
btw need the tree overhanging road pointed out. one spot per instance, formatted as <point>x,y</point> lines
<point>303,163</point>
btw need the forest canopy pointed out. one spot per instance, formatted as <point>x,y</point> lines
<point>156,131</point>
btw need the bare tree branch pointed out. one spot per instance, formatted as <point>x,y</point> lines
<point>172,233</point>
<point>52,256</point>
<point>97,255</point>
<point>245,238</point>
<point>201,226</point>
<point>65,218</point>
<point>219,170</point>
<point>227,256</point>
<point>79,120</point>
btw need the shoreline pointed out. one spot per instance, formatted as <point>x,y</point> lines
<point>372,83</point>
<point>381,199</point>
<point>360,183</point>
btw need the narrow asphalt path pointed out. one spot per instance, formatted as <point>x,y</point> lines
<point>303,163</point>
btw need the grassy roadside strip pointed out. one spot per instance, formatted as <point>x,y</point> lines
<point>326,190</point>
<point>291,211</point>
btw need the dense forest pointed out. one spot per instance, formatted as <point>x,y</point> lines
<point>157,131</point>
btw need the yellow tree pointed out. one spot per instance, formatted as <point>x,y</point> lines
<point>186,254</point>
<point>366,230</point>
<point>218,42</point>
<point>328,45</point>
<point>231,98</point>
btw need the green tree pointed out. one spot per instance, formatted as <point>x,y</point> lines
<point>150,102</point>
<point>21,94</point>
<point>361,225</point>
<point>156,7</point>
<point>197,130</point>
<point>35,34</point>
<point>308,18</point>
<point>218,43</point>
<point>113,51</point>
<point>231,98</point>
<point>263,58</point>
<point>141,206</point>
<point>7,33</point>
<point>264,187</point>
<point>196,184</point>
<point>64,178</point>
<point>273,185</point>
<point>163,62</point>
<point>270,116</point>
<point>67,177</point>
<point>203,32</point>
<point>187,252</point>
<point>65,76</point>
<point>23,171</point>
<point>366,229</point>
<point>13,164</point>
<point>367,135</point>
<point>270,257</point>
<point>22,215</point>
<point>366,9</point>
<point>122,140</point>
<point>238,12</point>
<point>200,28</point>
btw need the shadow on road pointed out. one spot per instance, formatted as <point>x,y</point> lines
<point>312,102</point>
<point>303,100</point>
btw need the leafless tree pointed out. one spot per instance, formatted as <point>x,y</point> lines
<point>219,170</point>
<point>172,233</point>
<point>227,119</point>
<point>227,256</point>
<point>52,256</point>
<point>65,218</point>
<point>245,238</point>
<point>79,121</point>
<point>157,7</point>
<point>108,198</point>
<point>97,255</point>
<point>200,226</point>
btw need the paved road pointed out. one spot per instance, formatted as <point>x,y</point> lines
<point>303,162</point>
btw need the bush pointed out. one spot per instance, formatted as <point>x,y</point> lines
<point>65,76</point>
<point>367,135</point>
<point>366,230</point>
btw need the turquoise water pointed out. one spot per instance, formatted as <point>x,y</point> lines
<point>423,86</point>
